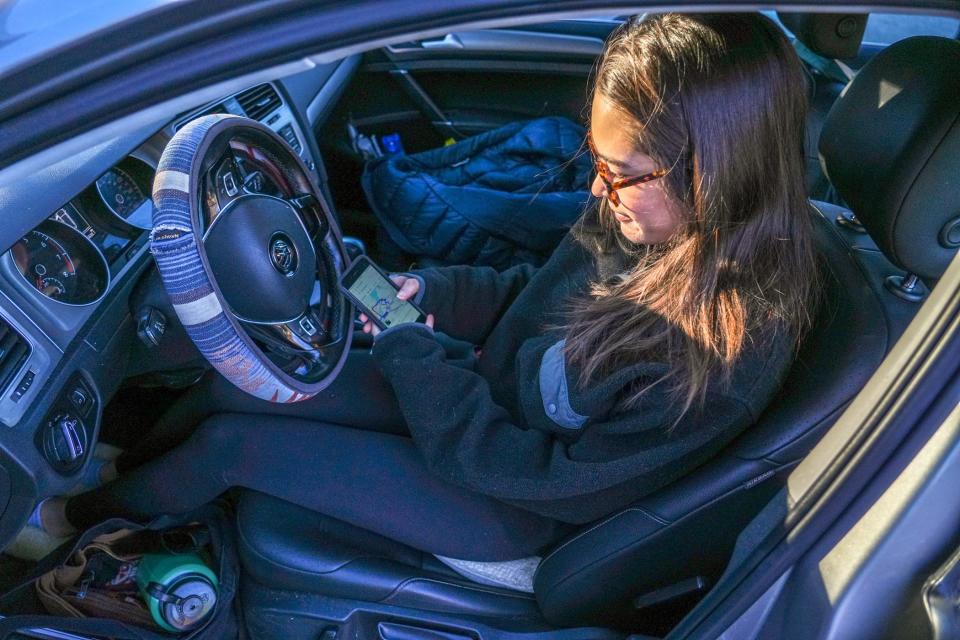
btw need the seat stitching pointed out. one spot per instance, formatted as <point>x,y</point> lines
<point>506,593</point>
<point>253,549</point>
<point>596,526</point>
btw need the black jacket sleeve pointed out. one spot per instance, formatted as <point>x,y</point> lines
<point>468,301</point>
<point>469,440</point>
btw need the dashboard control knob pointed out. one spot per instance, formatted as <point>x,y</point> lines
<point>65,440</point>
<point>78,397</point>
<point>69,445</point>
<point>151,325</point>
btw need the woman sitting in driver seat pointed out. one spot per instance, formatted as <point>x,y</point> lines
<point>658,331</point>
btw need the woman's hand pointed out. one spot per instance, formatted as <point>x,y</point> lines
<point>408,289</point>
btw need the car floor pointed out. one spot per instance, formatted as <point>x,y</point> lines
<point>11,570</point>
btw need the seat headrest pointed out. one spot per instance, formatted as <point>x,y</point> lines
<point>891,147</point>
<point>832,35</point>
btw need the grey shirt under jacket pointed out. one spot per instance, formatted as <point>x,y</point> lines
<point>518,428</point>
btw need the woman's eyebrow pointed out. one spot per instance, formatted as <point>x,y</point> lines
<point>619,165</point>
<point>614,163</point>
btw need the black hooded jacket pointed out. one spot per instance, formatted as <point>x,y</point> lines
<point>519,429</point>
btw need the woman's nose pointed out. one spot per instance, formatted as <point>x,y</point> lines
<point>597,188</point>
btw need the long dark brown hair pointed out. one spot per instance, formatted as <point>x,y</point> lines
<point>721,99</point>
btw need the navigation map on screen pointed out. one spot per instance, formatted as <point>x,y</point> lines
<point>380,297</point>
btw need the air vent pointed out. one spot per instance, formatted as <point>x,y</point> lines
<point>259,101</point>
<point>14,351</point>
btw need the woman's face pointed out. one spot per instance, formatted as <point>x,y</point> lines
<point>647,214</point>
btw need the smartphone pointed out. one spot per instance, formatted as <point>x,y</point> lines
<point>376,295</point>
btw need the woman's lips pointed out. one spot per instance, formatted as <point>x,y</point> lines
<point>621,217</point>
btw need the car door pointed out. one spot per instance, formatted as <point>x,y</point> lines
<point>430,92</point>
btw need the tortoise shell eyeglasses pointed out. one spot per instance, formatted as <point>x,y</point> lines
<point>606,176</point>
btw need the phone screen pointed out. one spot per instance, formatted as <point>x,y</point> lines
<point>379,297</point>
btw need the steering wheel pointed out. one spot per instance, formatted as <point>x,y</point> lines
<point>251,256</point>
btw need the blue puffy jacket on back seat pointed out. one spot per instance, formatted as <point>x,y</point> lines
<point>500,198</point>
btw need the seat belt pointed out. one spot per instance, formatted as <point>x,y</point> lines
<point>847,71</point>
<point>832,69</point>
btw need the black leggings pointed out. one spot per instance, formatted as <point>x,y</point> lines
<point>360,398</point>
<point>373,479</point>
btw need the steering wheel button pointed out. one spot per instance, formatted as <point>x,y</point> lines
<point>229,184</point>
<point>307,326</point>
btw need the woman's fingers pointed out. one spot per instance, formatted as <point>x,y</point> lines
<point>408,288</point>
<point>429,321</point>
<point>368,326</point>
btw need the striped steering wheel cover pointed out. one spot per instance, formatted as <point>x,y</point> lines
<point>176,246</point>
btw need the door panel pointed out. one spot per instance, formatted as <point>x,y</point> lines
<point>467,82</point>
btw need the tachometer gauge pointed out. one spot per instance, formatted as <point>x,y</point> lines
<point>120,192</point>
<point>61,263</point>
<point>125,190</point>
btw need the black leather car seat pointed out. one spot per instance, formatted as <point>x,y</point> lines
<point>891,145</point>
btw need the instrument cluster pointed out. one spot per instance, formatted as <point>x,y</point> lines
<point>62,264</point>
<point>71,257</point>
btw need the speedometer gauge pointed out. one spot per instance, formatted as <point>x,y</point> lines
<point>61,263</point>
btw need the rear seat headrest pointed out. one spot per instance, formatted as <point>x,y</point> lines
<point>832,35</point>
<point>891,147</point>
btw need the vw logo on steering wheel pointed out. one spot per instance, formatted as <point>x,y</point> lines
<point>283,254</point>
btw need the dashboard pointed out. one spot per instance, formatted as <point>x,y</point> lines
<point>80,303</point>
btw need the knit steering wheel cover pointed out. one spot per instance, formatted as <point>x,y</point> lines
<point>198,302</point>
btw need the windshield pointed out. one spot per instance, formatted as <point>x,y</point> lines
<point>29,28</point>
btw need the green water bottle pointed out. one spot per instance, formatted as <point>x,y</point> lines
<point>179,588</point>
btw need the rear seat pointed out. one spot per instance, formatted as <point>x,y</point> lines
<point>823,38</point>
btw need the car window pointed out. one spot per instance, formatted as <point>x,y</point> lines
<point>886,28</point>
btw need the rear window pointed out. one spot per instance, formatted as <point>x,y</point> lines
<point>886,28</point>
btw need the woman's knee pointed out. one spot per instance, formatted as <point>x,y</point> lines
<point>217,438</point>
